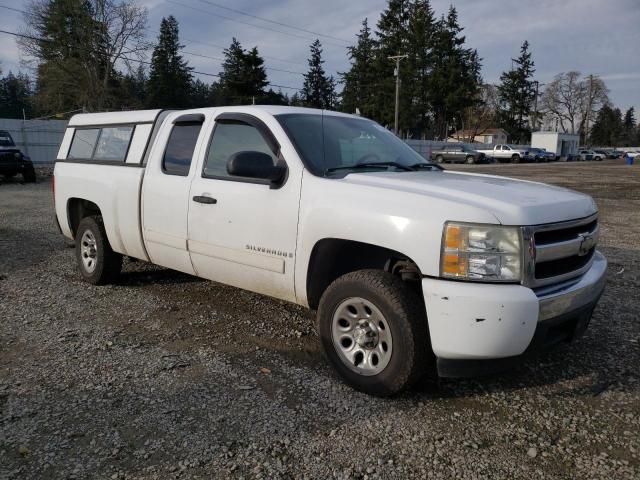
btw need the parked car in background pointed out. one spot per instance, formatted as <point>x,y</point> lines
<point>457,154</point>
<point>509,153</point>
<point>635,154</point>
<point>13,161</point>
<point>540,155</point>
<point>606,153</point>
<point>590,155</point>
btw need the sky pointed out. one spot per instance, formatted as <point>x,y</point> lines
<point>591,36</point>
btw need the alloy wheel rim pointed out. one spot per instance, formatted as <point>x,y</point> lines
<point>361,336</point>
<point>89,251</point>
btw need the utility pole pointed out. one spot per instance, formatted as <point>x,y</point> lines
<point>397,58</point>
<point>586,124</point>
<point>535,108</point>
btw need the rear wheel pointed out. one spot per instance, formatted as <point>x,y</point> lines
<point>373,329</point>
<point>470,159</point>
<point>98,263</point>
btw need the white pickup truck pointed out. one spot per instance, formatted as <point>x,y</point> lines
<point>410,267</point>
<point>509,153</point>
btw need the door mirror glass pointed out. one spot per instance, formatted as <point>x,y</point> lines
<point>252,164</point>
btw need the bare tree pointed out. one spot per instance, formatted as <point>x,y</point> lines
<point>572,99</point>
<point>77,47</point>
<point>123,26</point>
<point>483,115</point>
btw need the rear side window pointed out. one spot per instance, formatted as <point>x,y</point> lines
<point>108,144</point>
<point>113,144</point>
<point>180,147</point>
<point>83,144</point>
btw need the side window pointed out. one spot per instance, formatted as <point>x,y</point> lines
<point>230,137</point>
<point>113,144</point>
<point>179,152</point>
<point>83,144</point>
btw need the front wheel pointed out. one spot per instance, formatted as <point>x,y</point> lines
<point>439,159</point>
<point>515,159</point>
<point>373,329</point>
<point>98,263</point>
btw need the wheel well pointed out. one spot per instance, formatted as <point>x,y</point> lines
<point>332,257</point>
<point>77,209</point>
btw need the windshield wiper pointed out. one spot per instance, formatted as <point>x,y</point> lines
<point>384,165</point>
<point>426,165</point>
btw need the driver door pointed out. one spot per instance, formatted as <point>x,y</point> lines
<point>242,231</point>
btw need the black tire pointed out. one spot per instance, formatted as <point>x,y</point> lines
<point>29,174</point>
<point>403,310</point>
<point>470,159</point>
<point>108,263</point>
<point>515,159</point>
<point>439,159</point>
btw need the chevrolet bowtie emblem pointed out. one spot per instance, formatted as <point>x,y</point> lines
<point>587,242</point>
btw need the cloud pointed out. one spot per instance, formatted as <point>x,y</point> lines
<point>591,36</point>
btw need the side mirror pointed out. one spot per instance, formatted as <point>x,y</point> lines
<point>255,165</point>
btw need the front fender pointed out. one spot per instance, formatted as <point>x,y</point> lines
<point>406,222</point>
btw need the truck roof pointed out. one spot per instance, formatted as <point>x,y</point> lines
<point>148,116</point>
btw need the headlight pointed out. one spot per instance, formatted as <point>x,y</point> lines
<point>489,253</point>
<point>17,155</point>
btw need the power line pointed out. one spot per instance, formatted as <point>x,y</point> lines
<point>208,12</point>
<point>274,21</point>
<point>275,59</point>
<point>200,42</point>
<point>206,56</point>
<point>11,8</point>
<point>222,60</point>
<point>135,60</point>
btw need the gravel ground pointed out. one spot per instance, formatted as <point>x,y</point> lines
<point>166,376</point>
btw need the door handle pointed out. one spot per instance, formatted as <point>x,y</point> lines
<point>205,200</point>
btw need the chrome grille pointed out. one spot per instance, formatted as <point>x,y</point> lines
<point>560,251</point>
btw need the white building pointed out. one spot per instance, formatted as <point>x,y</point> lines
<point>487,136</point>
<point>562,144</point>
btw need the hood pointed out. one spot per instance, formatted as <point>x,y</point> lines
<point>512,202</point>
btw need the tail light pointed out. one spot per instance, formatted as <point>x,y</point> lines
<point>53,189</point>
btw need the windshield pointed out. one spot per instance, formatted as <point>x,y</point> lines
<point>6,140</point>
<point>328,143</point>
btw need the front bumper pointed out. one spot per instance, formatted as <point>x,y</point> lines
<point>471,324</point>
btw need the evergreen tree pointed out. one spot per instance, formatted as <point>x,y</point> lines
<point>629,130</point>
<point>243,78</point>
<point>422,26</point>
<point>517,93</point>
<point>360,89</point>
<point>607,127</point>
<point>271,97</point>
<point>15,96</point>
<point>392,32</point>
<point>231,77</point>
<point>296,100</point>
<point>455,77</point>
<point>200,94</point>
<point>318,91</point>
<point>255,74</point>
<point>134,89</point>
<point>170,77</point>
<point>67,43</point>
